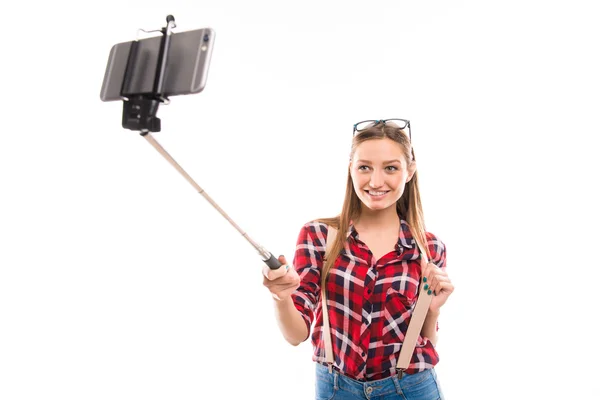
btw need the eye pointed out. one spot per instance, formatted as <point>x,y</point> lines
<point>391,168</point>
<point>363,167</point>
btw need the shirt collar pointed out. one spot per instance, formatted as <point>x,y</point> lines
<point>405,238</point>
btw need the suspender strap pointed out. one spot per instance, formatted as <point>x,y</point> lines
<point>331,234</point>
<point>416,320</point>
<point>414,326</point>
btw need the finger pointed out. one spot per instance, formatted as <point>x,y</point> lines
<point>424,272</point>
<point>441,282</point>
<point>428,278</point>
<point>438,271</point>
<point>435,278</point>
<point>438,279</point>
<point>430,268</point>
<point>441,278</point>
<point>283,286</point>
<point>446,288</point>
<point>280,287</point>
<point>431,285</point>
<point>443,290</point>
<point>272,274</point>
<point>437,287</point>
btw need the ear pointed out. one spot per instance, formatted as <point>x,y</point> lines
<point>412,168</point>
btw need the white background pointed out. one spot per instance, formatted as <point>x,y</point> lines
<point>119,281</point>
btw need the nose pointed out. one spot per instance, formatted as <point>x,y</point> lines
<point>376,180</point>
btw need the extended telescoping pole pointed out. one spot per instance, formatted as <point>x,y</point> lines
<point>267,257</point>
<point>139,114</point>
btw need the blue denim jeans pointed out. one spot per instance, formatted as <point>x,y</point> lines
<point>335,386</point>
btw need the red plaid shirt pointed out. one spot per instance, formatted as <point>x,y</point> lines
<point>370,301</point>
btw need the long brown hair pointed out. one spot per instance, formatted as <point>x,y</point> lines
<point>408,205</point>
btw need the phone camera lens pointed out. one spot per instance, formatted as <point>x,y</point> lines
<point>206,38</point>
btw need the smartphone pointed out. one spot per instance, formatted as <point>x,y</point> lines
<point>186,69</point>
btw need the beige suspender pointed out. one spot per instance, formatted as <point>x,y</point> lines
<point>414,326</point>
<point>331,234</point>
<point>416,320</point>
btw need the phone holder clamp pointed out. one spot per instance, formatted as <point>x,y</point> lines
<point>139,109</point>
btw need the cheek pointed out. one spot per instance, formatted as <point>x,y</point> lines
<point>399,182</point>
<point>355,181</point>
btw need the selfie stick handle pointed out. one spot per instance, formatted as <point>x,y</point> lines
<point>267,257</point>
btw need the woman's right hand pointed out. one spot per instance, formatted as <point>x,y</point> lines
<point>281,282</point>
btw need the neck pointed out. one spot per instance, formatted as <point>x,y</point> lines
<point>379,219</point>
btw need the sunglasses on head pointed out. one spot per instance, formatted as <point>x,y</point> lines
<point>363,125</point>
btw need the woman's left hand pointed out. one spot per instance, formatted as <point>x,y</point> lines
<point>436,282</point>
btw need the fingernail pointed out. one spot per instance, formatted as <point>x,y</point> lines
<point>429,292</point>
<point>426,287</point>
<point>424,279</point>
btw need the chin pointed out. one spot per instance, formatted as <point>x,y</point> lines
<point>377,207</point>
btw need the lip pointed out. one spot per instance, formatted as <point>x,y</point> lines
<point>377,197</point>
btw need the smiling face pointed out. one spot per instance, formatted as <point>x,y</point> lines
<point>379,172</point>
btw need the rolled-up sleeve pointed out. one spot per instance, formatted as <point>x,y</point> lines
<point>308,262</point>
<point>437,250</point>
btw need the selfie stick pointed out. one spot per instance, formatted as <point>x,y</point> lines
<point>139,114</point>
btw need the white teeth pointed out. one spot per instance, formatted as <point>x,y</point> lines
<point>376,193</point>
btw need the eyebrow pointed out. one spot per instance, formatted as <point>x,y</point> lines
<point>385,162</point>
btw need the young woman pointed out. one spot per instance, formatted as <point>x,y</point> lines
<point>372,277</point>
